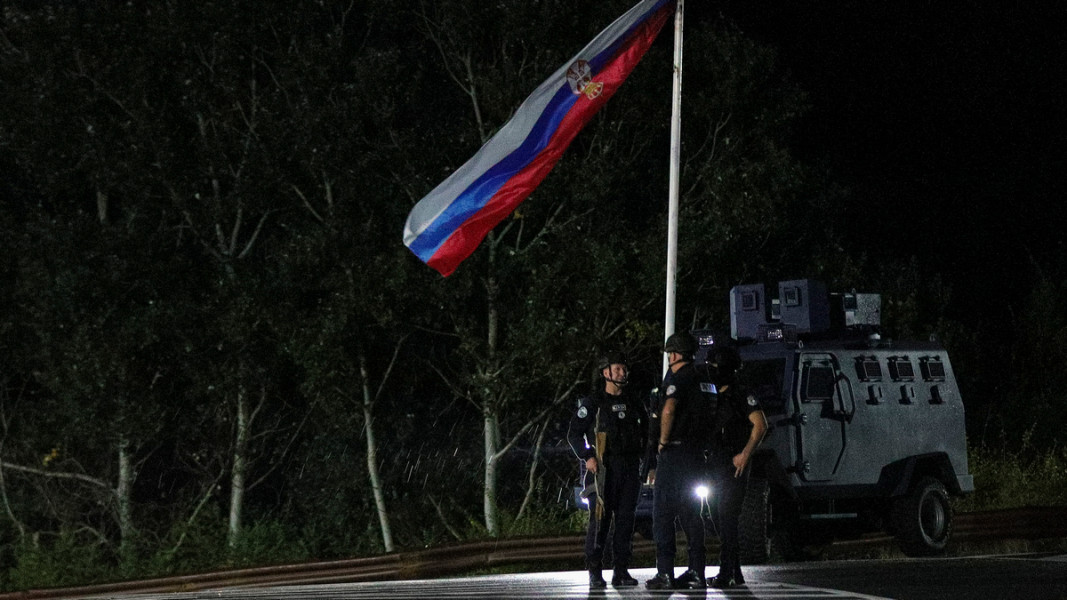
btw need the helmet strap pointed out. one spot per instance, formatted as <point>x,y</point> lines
<point>618,387</point>
<point>619,383</point>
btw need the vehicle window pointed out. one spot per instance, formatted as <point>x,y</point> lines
<point>933,369</point>
<point>868,368</point>
<point>900,368</point>
<point>818,383</point>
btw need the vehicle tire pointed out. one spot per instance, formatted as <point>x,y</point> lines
<point>922,520</point>
<point>786,539</point>
<point>753,532</point>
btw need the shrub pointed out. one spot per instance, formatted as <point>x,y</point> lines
<point>64,560</point>
<point>1009,478</point>
<point>267,543</point>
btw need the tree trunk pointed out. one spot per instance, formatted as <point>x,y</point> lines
<point>239,474</point>
<point>101,207</point>
<point>372,456</point>
<point>489,407</point>
<point>123,493</point>
<point>3,495</point>
<point>492,445</point>
<point>531,478</point>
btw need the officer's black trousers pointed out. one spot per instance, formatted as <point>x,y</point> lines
<point>678,472</point>
<point>621,489</point>
<point>728,493</point>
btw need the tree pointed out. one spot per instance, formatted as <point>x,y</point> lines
<point>87,284</point>
<point>194,146</point>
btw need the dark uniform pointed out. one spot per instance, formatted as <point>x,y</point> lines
<point>621,424</point>
<point>731,433</point>
<point>679,468</point>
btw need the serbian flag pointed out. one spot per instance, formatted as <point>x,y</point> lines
<point>447,225</point>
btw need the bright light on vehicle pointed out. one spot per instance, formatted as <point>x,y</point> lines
<point>702,491</point>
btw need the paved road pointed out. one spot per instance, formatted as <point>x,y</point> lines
<point>1032,577</point>
<point>1028,577</point>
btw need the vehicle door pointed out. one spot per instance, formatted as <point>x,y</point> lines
<point>824,407</point>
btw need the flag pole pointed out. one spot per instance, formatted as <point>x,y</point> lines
<point>676,152</point>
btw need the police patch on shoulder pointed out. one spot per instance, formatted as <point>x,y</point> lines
<point>583,412</point>
<point>752,401</point>
<point>670,391</point>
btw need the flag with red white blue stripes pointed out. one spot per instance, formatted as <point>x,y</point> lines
<point>447,225</point>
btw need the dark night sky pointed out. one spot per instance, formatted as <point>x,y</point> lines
<point>947,118</point>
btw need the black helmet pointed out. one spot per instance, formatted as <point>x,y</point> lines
<point>613,358</point>
<point>681,342</point>
<point>610,358</point>
<point>723,364</point>
<point>725,358</point>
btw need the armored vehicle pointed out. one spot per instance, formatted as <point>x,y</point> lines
<point>865,433</point>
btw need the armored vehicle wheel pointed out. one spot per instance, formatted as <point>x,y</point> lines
<point>754,537</point>
<point>787,541</point>
<point>923,519</point>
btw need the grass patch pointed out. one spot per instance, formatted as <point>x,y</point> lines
<point>1006,477</point>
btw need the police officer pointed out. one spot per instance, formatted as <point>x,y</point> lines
<point>609,431</point>
<point>740,425</point>
<point>679,467</point>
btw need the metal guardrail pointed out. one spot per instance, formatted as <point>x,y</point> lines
<point>432,562</point>
<point>1023,523</point>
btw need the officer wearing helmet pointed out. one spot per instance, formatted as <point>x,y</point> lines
<point>679,467</point>
<point>609,432</point>
<point>740,425</point>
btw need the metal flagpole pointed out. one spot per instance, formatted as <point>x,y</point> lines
<point>676,152</point>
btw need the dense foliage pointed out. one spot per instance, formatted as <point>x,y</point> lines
<point>211,322</point>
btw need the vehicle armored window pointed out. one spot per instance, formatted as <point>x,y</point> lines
<point>901,369</point>
<point>933,369</point>
<point>818,382</point>
<point>868,368</point>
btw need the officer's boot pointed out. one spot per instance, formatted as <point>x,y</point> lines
<point>728,577</point>
<point>691,579</point>
<point>622,577</point>
<point>662,581</point>
<point>596,579</point>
